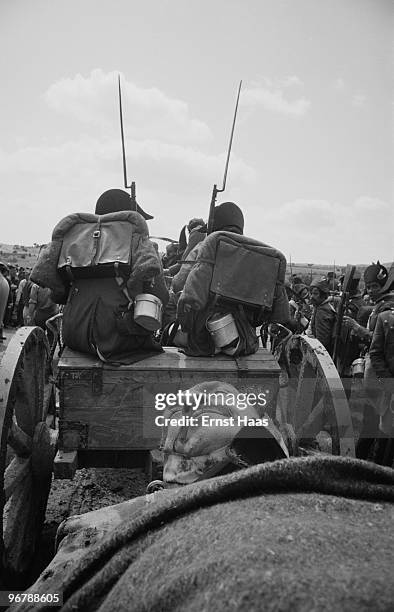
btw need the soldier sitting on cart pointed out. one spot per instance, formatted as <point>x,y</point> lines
<point>235,285</point>
<point>97,265</point>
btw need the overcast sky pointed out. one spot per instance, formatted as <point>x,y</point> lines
<point>312,161</point>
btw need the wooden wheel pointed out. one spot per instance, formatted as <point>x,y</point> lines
<point>27,447</point>
<point>312,400</point>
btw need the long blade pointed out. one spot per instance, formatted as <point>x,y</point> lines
<point>231,139</point>
<point>163,238</point>
<point>122,134</point>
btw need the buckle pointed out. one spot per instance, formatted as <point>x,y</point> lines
<point>97,234</point>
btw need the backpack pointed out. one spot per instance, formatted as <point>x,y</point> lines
<point>96,247</point>
<point>237,275</point>
<point>106,260</point>
<point>85,245</point>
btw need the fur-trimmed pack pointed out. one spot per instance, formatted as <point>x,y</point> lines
<point>233,273</point>
<point>144,261</point>
<point>96,265</point>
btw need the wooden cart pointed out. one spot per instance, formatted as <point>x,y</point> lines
<point>107,416</point>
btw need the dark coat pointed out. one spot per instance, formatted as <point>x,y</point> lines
<point>323,322</point>
<point>382,349</point>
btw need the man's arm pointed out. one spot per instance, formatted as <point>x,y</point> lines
<point>383,336</point>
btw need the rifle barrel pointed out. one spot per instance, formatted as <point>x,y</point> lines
<point>231,139</point>
<point>122,134</point>
<point>216,189</point>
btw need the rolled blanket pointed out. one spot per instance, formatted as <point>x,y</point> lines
<point>310,533</point>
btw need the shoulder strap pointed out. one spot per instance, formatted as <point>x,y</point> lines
<point>122,284</point>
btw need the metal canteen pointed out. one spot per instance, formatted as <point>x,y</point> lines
<point>148,310</point>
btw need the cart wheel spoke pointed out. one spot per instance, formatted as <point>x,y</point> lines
<point>26,450</point>
<point>15,473</point>
<point>20,442</point>
<point>19,526</point>
<point>317,407</point>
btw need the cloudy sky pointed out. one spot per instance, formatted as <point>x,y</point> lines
<point>312,162</point>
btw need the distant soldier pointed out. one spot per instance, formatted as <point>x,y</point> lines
<point>11,278</point>
<point>4,293</point>
<point>180,269</point>
<point>197,233</point>
<point>382,360</point>
<point>376,283</point>
<point>171,256</point>
<point>295,280</point>
<point>380,288</point>
<point>324,314</point>
<point>300,310</point>
<point>348,344</point>
<point>333,282</point>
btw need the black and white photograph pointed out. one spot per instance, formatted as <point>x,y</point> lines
<point>197,305</point>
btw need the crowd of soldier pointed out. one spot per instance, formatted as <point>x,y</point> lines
<point>22,302</point>
<point>366,329</point>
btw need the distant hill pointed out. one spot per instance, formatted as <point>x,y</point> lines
<point>18,254</point>
<point>26,256</point>
<point>308,272</point>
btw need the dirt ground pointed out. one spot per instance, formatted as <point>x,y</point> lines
<point>90,489</point>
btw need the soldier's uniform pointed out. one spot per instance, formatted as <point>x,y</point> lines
<point>374,392</point>
<point>323,317</point>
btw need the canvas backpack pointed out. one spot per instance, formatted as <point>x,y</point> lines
<point>96,265</point>
<point>237,275</point>
<point>96,247</point>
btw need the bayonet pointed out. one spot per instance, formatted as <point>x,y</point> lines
<point>132,184</point>
<point>163,238</point>
<point>216,189</point>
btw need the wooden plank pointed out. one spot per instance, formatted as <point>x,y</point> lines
<point>173,359</point>
<point>119,413</point>
<point>123,415</point>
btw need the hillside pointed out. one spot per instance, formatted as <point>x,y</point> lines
<point>26,256</point>
<point>17,254</point>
